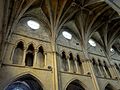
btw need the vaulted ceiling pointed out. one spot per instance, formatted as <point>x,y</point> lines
<point>89,18</point>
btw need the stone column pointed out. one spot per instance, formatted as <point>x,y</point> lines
<point>24,56</point>
<point>85,70</point>
<point>55,70</point>
<point>106,74</point>
<point>45,58</point>
<point>13,46</point>
<point>35,59</point>
<point>116,72</point>
<point>101,74</point>
<point>111,69</point>
<point>76,66</point>
<point>69,69</point>
<point>94,79</point>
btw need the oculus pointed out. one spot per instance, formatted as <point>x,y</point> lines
<point>92,42</point>
<point>67,35</point>
<point>33,24</point>
<point>112,50</point>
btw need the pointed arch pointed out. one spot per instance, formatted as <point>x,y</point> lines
<point>64,61</point>
<point>107,69</point>
<point>18,53</point>
<point>95,66</point>
<point>75,85</point>
<point>31,43</point>
<point>101,68</point>
<point>79,63</point>
<point>72,63</point>
<point>109,87</point>
<point>25,82</point>
<point>40,57</point>
<point>29,56</point>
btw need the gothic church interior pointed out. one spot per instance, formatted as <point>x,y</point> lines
<point>59,45</point>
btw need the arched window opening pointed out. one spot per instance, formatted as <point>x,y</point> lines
<point>107,70</point>
<point>40,57</point>
<point>95,67</point>
<point>109,87</point>
<point>18,53</point>
<point>101,68</point>
<point>25,83</point>
<point>75,85</point>
<point>117,67</point>
<point>72,63</point>
<point>29,56</point>
<point>64,61</point>
<point>80,68</point>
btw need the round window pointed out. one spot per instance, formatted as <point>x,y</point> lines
<point>92,42</point>
<point>33,24</point>
<point>112,50</point>
<point>67,35</point>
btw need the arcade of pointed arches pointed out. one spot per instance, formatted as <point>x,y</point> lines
<point>27,56</point>
<point>72,64</point>
<point>69,62</point>
<point>30,82</point>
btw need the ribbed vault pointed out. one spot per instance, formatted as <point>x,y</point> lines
<point>87,17</point>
